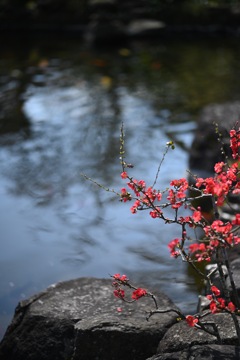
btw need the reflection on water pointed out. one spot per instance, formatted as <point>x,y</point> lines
<point>55,225</point>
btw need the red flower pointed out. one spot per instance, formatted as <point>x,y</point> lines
<point>236,221</point>
<point>219,167</point>
<point>155,213</point>
<point>124,175</point>
<point>213,307</point>
<point>119,277</point>
<point>231,307</point>
<point>197,215</point>
<point>215,290</point>
<point>191,320</point>
<point>234,143</point>
<point>137,186</point>
<point>119,293</point>
<point>193,247</point>
<point>137,294</point>
<point>135,207</point>
<point>172,247</point>
<point>125,196</point>
<point>217,306</point>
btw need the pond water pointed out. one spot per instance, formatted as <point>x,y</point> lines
<point>66,102</point>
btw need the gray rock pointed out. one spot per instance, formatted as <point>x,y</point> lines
<point>78,319</point>
<point>181,336</point>
<point>142,26</point>
<point>207,352</point>
<point>206,150</point>
<point>235,267</point>
<point>182,342</point>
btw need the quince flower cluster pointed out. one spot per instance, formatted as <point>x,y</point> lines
<point>218,187</point>
<point>218,235</point>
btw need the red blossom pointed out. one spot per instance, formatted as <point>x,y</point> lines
<point>186,219</point>
<point>197,215</point>
<point>218,168</point>
<point>172,197</point>
<point>217,305</point>
<point>124,175</point>
<point>221,303</point>
<point>232,173</point>
<point>231,307</point>
<point>200,251</point>
<point>219,186</point>
<point>119,293</point>
<point>172,247</point>
<point>178,193</point>
<point>155,213</point>
<point>125,196</point>
<point>180,184</point>
<point>199,182</point>
<point>235,142</point>
<point>135,206</point>
<point>191,320</point>
<point>219,229</point>
<point>236,221</point>
<point>137,186</point>
<point>215,290</point>
<point>193,248</point>
<point>120,277</point>
<point>138,293</point>
<point>213,307</point>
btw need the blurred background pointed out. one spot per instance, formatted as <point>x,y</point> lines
<point>70,73</point>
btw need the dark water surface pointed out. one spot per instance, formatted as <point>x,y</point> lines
<point>54,224</point>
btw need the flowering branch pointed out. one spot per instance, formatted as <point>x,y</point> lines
<point>218,236</point>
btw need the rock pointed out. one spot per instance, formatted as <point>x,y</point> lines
<point>206,149</point>
<point>11,89</point>
<point>143,26</point>
<point>78,319</point>
<point>181,336</point>
<point>235,267</point>
<point>207,352</point>
<point>188,343</point>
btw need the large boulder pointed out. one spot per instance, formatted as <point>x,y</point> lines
<point>80,319</point>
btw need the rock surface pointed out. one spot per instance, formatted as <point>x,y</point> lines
<point>185,336</point>
<point>78,319</point>
<point>187,343</point>
<point>207,352</point>
<point>210,147</point>
<point>206,149</point>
